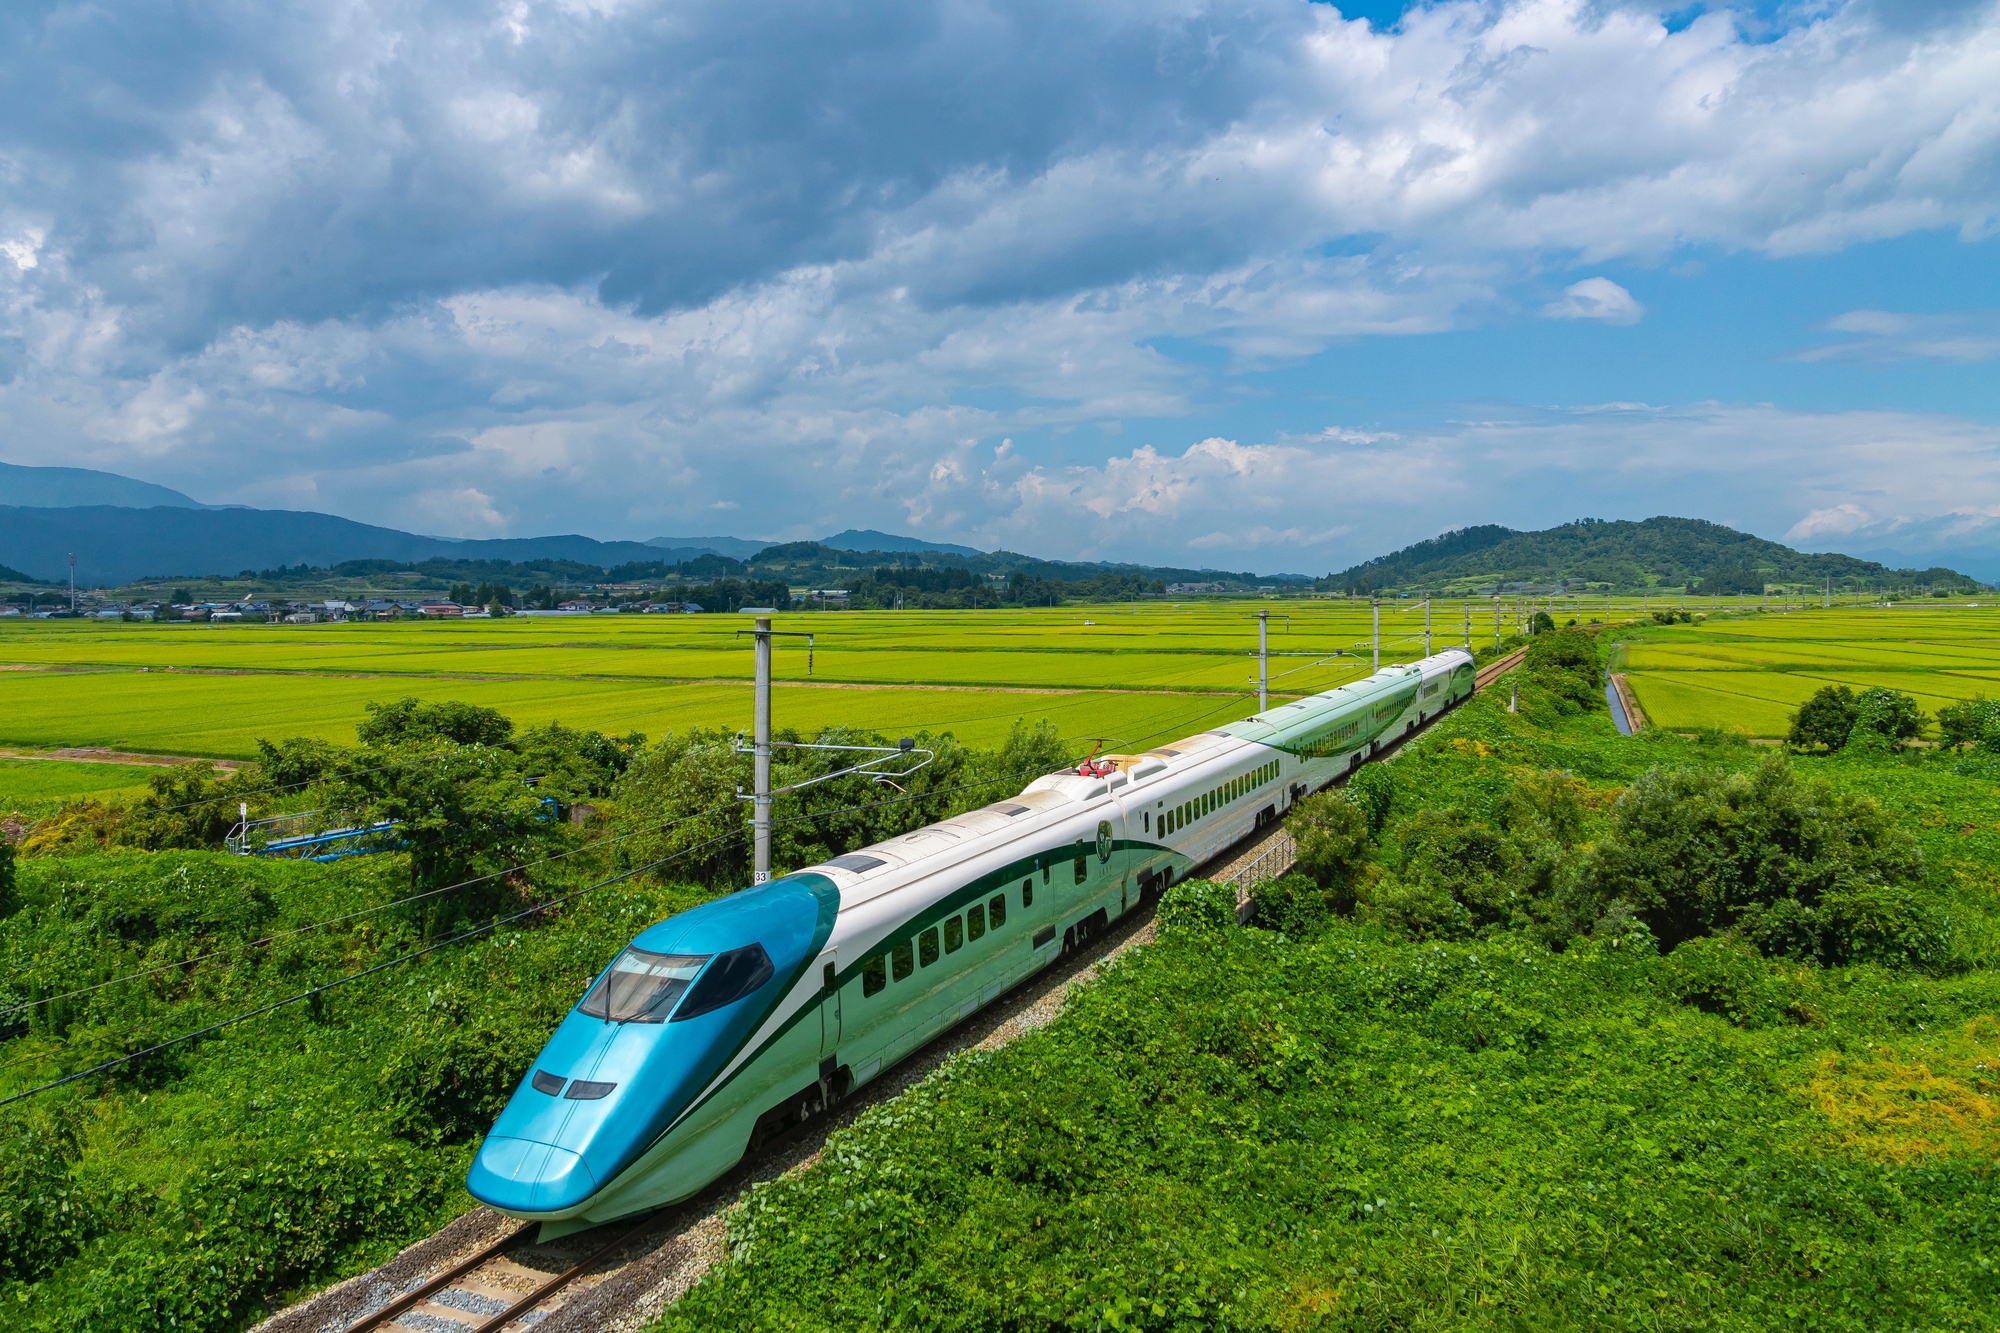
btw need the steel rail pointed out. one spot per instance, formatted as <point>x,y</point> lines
<point>432,1286</point>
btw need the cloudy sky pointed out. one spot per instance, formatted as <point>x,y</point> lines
<point>1251,283</point>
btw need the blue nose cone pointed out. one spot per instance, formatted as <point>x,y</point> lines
<point>529,1177</point>
<point>549,1151</point>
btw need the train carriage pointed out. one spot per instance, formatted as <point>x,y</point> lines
<point>721,1027</point>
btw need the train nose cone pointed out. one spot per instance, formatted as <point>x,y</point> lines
<point>528,1176</point>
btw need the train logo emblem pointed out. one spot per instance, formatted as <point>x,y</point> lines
<point>1104,841</point>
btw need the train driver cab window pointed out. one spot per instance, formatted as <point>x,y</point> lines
<point>728,979</point>
<point>1146,821</point>
<point>1082,867</point>
<point>927,950</point>
<point>1047,861</point>
<point>641,987</point>
<point>954,935</point>
<point>996,910</point>
<point>1027,894</point>
<point>902,959</point>
<point>874,975</point>
<point>975,922</point>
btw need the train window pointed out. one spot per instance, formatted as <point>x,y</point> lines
<point>1046,862</point>
<point>1082,868</point>
<point>927,950</point>
<point>1027,894</point>
<point>997,910</point>
<point>874,975</point>
<point>905,962</point>
<point>1146,821</point>
<point>975,922</point>
<point>641,987</point>
<point>728,979</point>
<point>954,935</point>
<point>581,1091</point>
<point>544,1081</point>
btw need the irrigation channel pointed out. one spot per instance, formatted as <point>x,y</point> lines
<point>485,1273</point>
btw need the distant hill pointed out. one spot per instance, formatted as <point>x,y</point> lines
<point>61,487</point>
<point>16,576</point>
<point>686,548</point>
<point>868,539</point>
<point>116,545</point>
<point>1658,553</point>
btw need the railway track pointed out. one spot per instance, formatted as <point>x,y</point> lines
<point>486,1274</point>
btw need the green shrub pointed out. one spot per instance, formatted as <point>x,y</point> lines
<point>1823,721</point>
<point>1293,904</point>
<point>1416,910</point>
<point>1887,924</point>
<point>1725,978</point>
<point>7,898</point>
<point>45,1217</point>
<point>1373,788</point>
<point>1197,904</point>
<point>1694,850</point>
<point>1889,714</point>
<point>1331,829</point>
<point>1565,663</point>
<point>1974,721</point>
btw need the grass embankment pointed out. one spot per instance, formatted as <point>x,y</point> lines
<point>1749,672</point>
<point>1235,1129</point>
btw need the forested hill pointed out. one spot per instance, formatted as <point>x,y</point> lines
<point>1679,553</point>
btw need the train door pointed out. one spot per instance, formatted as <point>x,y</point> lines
<point>1111,863</point>
<point>829,1005</point>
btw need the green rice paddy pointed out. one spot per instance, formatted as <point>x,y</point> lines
<point>1134,675</point>
<point>1749,672</point>
<point>26,783</point>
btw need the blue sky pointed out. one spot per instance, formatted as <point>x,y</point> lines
<point>1256,284</point>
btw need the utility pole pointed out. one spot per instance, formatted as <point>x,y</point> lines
<point>1496,624</point>
<point>72,582</point>
<point>1375,604</point>
<point>760,808</point>
<point>1263,657</point>
<point>1468,626</point>
<point>1427,625</point>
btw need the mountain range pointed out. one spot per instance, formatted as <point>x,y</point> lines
<point>122,529</point>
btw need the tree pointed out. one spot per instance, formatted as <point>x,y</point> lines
<point>1970,721</point>
<point>1889,714</point>
<point>1335,844</point>
<point>1541,623</point>
<point>187,807</point>
<point>411,719</point>
<point>1823,720</point>
<point>1698,852</point>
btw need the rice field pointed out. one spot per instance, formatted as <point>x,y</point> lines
<point>1133,675</point>
<point>26,784</point>
<point>1750,672</point>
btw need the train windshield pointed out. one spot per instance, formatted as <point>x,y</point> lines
<point>642,987</point>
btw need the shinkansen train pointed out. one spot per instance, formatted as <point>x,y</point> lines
<point>718,1029</point>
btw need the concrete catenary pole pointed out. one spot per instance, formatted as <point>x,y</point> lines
<point>72,582</point>
<point>1263,658</point>
<point>1468,626</point>
<point>760,807</point>
<point>1375,605</point>
<point>1427,625</point>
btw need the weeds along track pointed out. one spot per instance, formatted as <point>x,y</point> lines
<point>484,1273</point>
